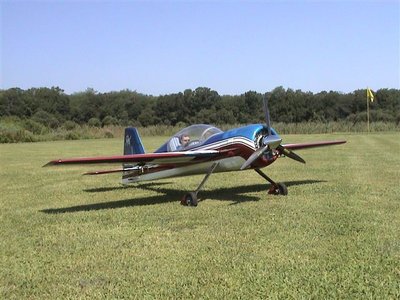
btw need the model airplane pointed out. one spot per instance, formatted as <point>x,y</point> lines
<point>201,149</point>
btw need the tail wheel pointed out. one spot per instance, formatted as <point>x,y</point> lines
<point>278,189</point>
<point>190,199</point>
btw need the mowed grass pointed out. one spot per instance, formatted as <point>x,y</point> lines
<point>336,235</point>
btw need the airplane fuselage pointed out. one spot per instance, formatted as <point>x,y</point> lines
<point>243,142</point>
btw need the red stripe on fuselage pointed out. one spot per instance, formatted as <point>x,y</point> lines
<point>240,149</point>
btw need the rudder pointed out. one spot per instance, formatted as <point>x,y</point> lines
<point>132,142</point>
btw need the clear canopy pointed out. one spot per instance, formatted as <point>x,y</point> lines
<point>191,136</point>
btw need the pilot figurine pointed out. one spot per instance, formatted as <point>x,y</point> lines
<point>185,140</point>
<point>178,143</point>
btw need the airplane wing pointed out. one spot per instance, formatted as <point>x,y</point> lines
<point>311,145</point>
<point>287,148</point>
<point>150,159</point>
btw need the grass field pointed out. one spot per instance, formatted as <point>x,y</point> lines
<point>336,235</point>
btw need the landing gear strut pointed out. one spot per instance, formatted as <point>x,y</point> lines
<point>277,188</point>
<point>190,199</point>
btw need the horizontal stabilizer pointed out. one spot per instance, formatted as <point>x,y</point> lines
<point>104,172</point>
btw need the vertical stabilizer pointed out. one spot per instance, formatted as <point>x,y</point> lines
<point>132,142</point>
<point>132,145</point>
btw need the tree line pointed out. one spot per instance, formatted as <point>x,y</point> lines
<point>53,108</point>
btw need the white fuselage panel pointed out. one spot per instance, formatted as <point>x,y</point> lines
<point>224,165</point>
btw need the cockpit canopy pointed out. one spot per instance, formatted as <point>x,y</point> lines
<point>197,134</point>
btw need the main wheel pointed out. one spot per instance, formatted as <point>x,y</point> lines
<point>190,199</point>
<point>278,189</point>
<point>282,189</point>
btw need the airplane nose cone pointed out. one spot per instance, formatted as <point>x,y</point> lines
<point>272,140</point>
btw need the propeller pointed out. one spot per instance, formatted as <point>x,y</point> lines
<point>290,154</point>
<point>270,142</point>
<point>266,113</point>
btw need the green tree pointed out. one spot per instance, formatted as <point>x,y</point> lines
<point>12,103</point>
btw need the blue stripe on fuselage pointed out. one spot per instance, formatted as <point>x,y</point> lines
<point>248,132</point>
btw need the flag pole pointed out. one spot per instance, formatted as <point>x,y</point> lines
<point>367,110</point>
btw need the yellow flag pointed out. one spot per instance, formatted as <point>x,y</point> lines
<point>370,96</point>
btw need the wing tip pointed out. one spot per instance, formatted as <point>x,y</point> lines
<point>90,173</point>
<point>50,163</point>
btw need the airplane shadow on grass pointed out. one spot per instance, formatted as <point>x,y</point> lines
<point>235,195</point>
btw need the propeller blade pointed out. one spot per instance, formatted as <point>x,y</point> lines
<point>266,112</point>
<point>273,142</point>
<point>253,157</point>
<point>290,154</point>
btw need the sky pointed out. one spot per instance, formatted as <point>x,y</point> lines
<point>163,47</point>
